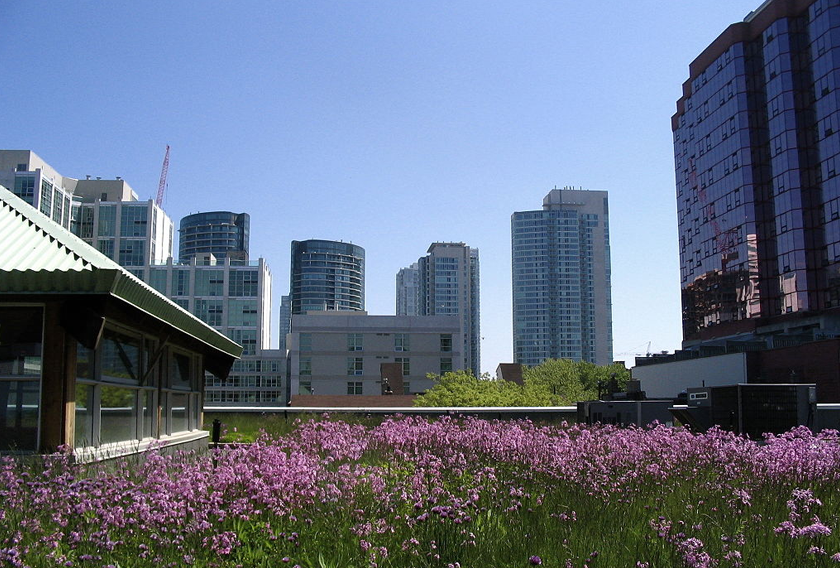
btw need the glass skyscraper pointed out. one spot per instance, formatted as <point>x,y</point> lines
<point>561,279</point>
<point>327,275</point>
<point>757,147</point>
<point>220,233</point>
<point>446,283</point>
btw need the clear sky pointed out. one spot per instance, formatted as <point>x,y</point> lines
<point>388,123</point>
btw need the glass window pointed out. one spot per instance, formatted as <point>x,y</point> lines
<point>132,252</point>
<point>401,342</point>
<point>120,359</point>
<point>306,342</point>
<point>157,279</point>
<point>181,371</point>
<point>446,342</point>
<point>355,366</point>
<point>134,221</point>
<point>106,247</point>
<point>354,342</point>
<point>242,312</point>
<point>406,367</point>
<point>244,283</point>
<point>305,366</point>
<point>107,221</point>
<point>209,282</point>
<point>181,283</point>
<point>46,197</point>
<point>306,388</point>
<point>118,414</point>
<point>445,365</point>
<point>247,338</point>
<point>209,311</point>
<point>354,387</point>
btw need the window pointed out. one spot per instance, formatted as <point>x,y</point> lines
<point>445,365</point>
<point>406,387</point>
<point>305,387</point>
<point>242,312</point>
<point>305,341</point>
<point>305,366</point>
<point>132,252</point>
<point>354,387</point>
<point>244,283</point>
<point>354,342</point>
<point>355,366</point>
<point>401,342</point>
<point>406,367</point>
<point>209,282</point>
<point>20,376</point>
<point>134,221</point>
<point>209,311</point>
<point>181,283</point>
<point>446,342</point>
<point>107,221</point>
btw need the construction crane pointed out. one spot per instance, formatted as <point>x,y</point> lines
<point>163,173</point>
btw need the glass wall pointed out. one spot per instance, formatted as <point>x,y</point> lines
<point>21,332</point>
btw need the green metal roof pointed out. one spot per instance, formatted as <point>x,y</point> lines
<point>37,256</point>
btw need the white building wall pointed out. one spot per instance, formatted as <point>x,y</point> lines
<point>667,380</point>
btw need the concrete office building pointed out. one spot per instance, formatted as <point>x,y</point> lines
<point>756,145</point>
<point>220,233</point>
<point>342,353</point>
<point>562,305</point>
<point>234,297</point>
<point>29,177</point>
<point>408,291</point>
<point>327,275</point>
<point>445,282</point>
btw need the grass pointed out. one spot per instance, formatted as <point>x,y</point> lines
<point>444,493</point>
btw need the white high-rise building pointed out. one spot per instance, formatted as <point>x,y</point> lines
<point>408,290</point>
<point>561,279</point>
<point>446,281</point>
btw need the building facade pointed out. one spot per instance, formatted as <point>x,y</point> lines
<point>562,306</point>
<point>342,353</point>
<point>220,233</point>
<point>446,282</point>
<point>326,276</point>
<point>233,297</point>
<point>408,291</point>
<point>132,233</point>
<point>757,145</point>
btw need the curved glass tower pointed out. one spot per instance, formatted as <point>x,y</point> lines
<point>221,233</point>
<point>327,275</point>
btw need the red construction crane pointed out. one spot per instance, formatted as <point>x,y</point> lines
<point>163,172</point>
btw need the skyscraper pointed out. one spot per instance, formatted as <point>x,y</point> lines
<point>445,282</point>
<point>327,275</point>
<point>220,233</point>
<point>408,290</point>
<point>561,279</point>
<point>756,154</point>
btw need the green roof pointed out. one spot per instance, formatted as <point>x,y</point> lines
<point>40,257</point>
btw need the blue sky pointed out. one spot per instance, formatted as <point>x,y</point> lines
<point>386,123</point>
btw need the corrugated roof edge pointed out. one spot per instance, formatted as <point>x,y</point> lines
<point>106,276</point>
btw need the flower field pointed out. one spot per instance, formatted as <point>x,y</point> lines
<point>445,493</point>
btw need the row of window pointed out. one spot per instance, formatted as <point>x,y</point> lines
<point>355,342</point>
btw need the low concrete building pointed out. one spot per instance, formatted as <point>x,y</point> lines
<point>342,353</point>
<point>90,357</point>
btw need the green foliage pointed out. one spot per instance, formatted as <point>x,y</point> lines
<point>558,382</point>
<point>555,382</point>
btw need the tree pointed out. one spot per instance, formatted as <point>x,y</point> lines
<point>461,388</point>
<point>563,381</point>
<point>555,382</point>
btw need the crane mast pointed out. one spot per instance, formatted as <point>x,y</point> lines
<point>163,173</point>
